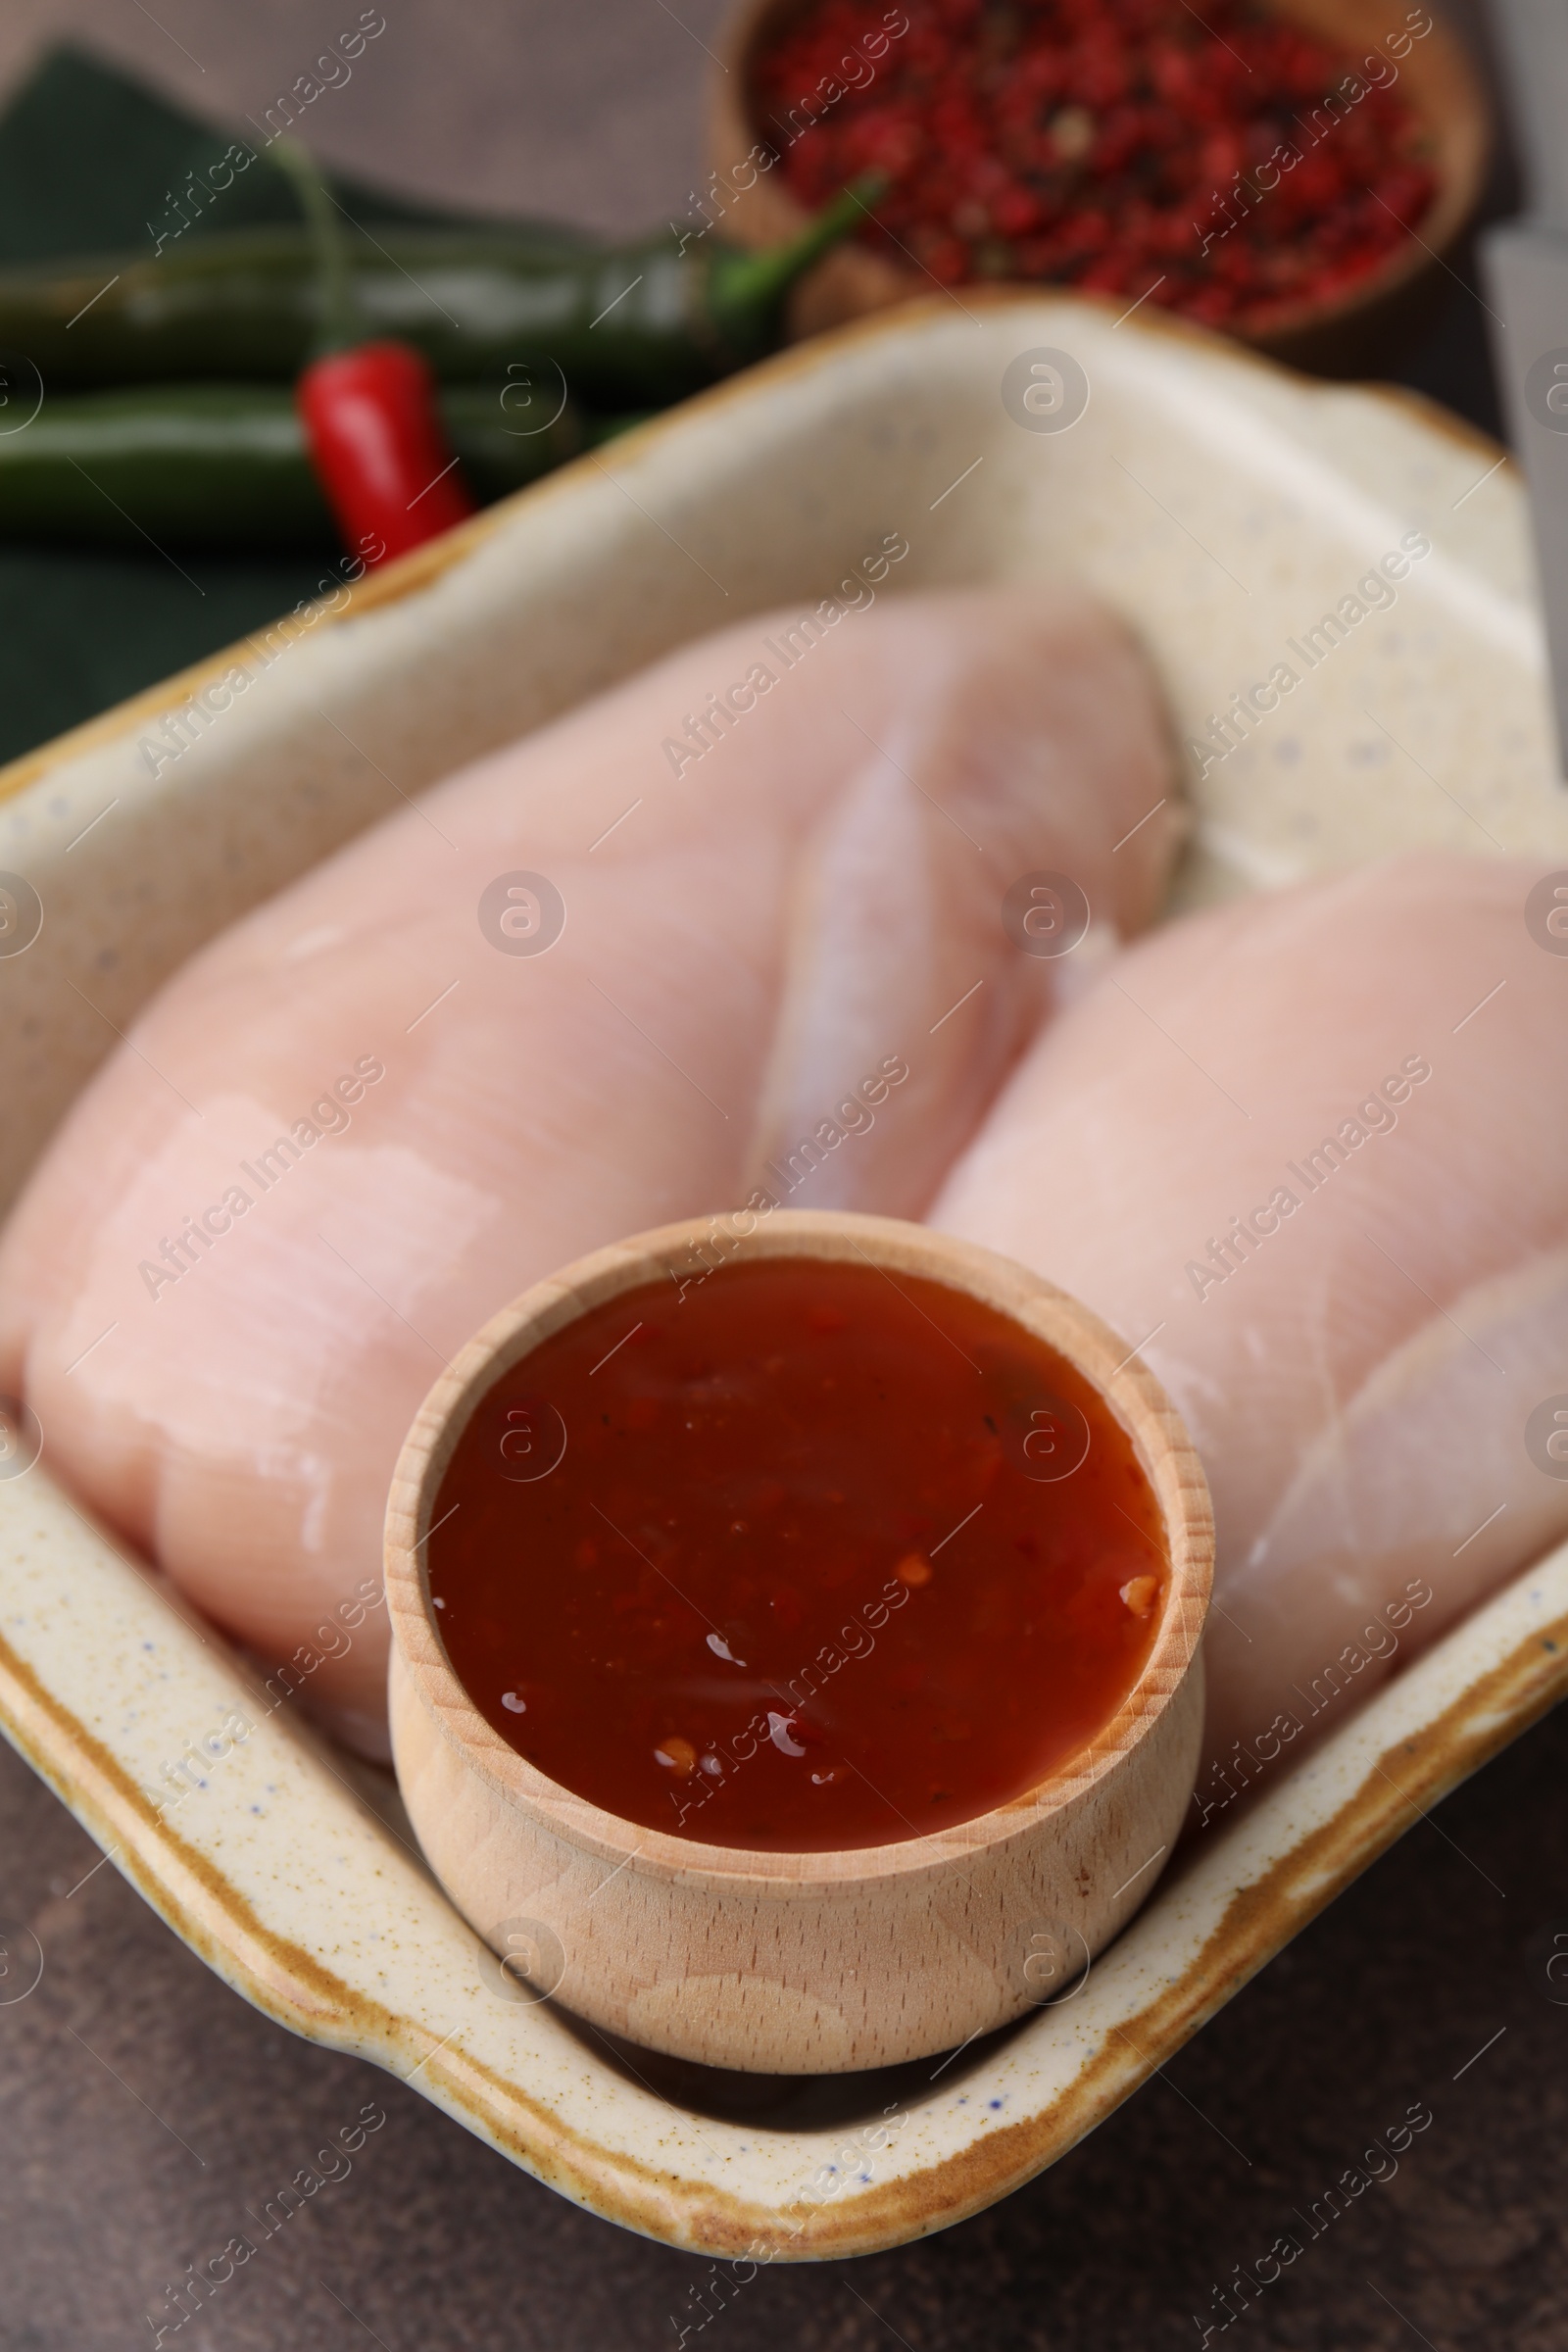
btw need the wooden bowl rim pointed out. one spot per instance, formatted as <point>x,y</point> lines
<point>1124,1381</point>
<point>1464,134</point>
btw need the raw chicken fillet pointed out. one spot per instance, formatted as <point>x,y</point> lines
<point>378,1108</point>
<point>1310,1153</point>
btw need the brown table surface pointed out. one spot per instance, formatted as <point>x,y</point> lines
<point>143,2106</point>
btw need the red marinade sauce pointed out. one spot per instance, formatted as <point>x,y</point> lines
<point>802,1558</point>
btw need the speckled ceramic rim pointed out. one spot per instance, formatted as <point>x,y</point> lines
<point>1123,1382</point>
<point>413,573</point>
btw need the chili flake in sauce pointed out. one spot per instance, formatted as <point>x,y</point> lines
<point>810,1558</point>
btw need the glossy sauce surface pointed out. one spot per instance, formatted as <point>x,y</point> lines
<point>802,1558</point>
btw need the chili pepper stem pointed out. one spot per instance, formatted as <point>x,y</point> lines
<point>755,280</point>
<point>343,325</point>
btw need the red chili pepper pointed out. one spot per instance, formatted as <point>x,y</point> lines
<point>375,440</point>
<point>369,408</point>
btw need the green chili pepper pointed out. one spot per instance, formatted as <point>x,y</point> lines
<point>635,326</point>
<point>225,464</point>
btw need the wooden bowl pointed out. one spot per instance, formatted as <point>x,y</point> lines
<point>784,1963</point>
<point>1347,334</point>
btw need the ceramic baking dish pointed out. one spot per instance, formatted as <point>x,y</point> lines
<point>1224,506</point>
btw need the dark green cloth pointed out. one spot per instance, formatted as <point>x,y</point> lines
<point>88,157</point>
